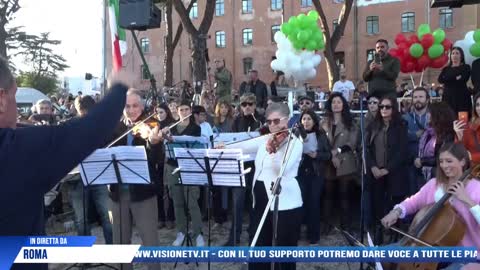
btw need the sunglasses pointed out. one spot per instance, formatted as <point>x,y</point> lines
<point>373,102</point>
<point>274,121</point>
<point>245,104</point>
<point>305,103</point>
<point>386,107</point>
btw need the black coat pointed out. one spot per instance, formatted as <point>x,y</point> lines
<point>397,157</point>
<point>141,192</point>
<point>456,92</point>
<point>191,130</point>
<point>324,154</point>
<point>259,89</point>
<point>476,75</point>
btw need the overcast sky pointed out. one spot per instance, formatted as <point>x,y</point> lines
<point>77,23</point>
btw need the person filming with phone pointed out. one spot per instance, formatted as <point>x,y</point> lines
<point>382,71</point>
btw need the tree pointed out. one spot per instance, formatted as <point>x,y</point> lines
<point>199,38</point>
<point>7,10</point>
<point>47,84</point>
<point>171,41</point>
<point>38,52</point>
<point>331,41</point>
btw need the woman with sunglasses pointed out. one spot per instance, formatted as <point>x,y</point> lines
<point>452,163</point>
<point>386,161</point>
<point>268,164</point>
<point>372,109</point>
<point>469,133</point>
<point>342,135</point>
<point>316,154</point>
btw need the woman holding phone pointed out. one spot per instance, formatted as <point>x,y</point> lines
<point>469,133</point>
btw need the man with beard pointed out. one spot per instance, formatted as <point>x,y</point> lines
<point>223,77</point>
<point>382,71</point>
<point>417,123</point>
<point>344,86</point>
<point>305,103</point>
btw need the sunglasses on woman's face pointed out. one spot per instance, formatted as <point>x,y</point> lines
<point>386,107</point>
<point>373,102</point>
<point>274,121</point>
<point>245,104</point>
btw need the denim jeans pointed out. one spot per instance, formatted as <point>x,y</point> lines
<point>98,194</point>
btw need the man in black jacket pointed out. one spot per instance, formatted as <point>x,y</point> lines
<point>256,87</point>
<point>138,202</point>
<point>24,177</point>
<point>475,75</point>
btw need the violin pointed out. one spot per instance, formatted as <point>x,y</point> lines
<point>434,225</point>
<point>144,129</point>
<point>276,141</point>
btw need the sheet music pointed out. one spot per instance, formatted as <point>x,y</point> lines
<point>378,266</point>
<point>185,142</point>
<point>225,173</point>
<point>249,147</point>
<point>98,169</point>
<point>229,137</point>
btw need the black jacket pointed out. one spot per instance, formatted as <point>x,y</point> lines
<point>140,192</point>
<point>259,89</point>
<point>191,130</point>
<point>456,93</point>
<point>242,123</point>
<point>324,154</point>
<point>397,156</point>
<point>476,75</point>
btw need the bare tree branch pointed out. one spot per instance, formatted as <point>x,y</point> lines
<point>178,34</point>
<point>342,22</point>
<point>207,17</point>
<point>184,16</point>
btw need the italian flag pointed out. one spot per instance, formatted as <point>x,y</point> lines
<point>119,46</point>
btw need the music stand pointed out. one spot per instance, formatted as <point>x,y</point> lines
<point>116,165</point>
<point>211,168</point>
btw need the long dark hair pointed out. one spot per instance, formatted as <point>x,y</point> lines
<point>169,119</point>
<point>347,118</point>
<point>474,110</point>
<point>462,56</point>
<point>457,150</point>
<point>396,118</point>
<point>316,122</point>
<point>441,119</point>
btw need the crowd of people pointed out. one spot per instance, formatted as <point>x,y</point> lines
<point>407,158</point>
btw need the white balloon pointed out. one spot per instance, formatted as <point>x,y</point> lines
<point>316,59</point>
<point>308,65</point>
<point>279,37</point>
<point>311,73</point>
<point>469,37</point>
<point>275,64</point>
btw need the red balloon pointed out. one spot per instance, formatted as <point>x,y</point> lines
<point>447,44</point>
<point>418,68</point>
<point>400,38</point>
<point>409,67</point>
<point>439,62</point>
<point>413,39</point>
<point>403,46</point>
<point>424,61</point>
<point>393,52</point>
<point>427,41</point>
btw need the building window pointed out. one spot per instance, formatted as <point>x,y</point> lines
<point>275,29</point>
<point>220,39</point>
<point>246,6</point>
<point>219,8</point>
<point>306,3</point>
<point>144,73</point>
<point>247,36</point>
<point>372,25</point>
<point>335,25</point>
<point>370,54</point>
<point>340,59</point>
<point>247,64</point>
<point>145,44</point>
<point>446,18</point>
<point>276,4</point>
<point>194,11</point>
<point>408,22</point>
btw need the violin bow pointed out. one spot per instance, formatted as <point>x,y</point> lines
<point>410,236</point>
<point>130,130</point>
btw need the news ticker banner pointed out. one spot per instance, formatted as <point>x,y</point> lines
<point>81,249</point>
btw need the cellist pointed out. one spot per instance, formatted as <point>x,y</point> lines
<point>452,162</point>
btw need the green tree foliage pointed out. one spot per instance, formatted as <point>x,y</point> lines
<point>45,83</point>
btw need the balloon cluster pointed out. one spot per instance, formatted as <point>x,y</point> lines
<point>423,50</point>
<point>297,43</point>
<point>470,46</point>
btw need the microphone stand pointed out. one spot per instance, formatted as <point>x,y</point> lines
<point>276,189</point>
<point>362,176</point>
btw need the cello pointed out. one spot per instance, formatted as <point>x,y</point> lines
<point>437,224</point>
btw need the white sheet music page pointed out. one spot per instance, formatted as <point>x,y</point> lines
<point>98,169</point>
<point>185,142</point>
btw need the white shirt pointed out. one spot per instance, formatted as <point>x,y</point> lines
<point>346,88</point>
<point>206,130</point>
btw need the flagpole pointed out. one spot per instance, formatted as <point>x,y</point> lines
<point>104,47</point>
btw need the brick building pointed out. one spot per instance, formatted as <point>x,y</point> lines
<point>242,34</point>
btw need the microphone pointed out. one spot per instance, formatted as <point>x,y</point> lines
<point>299,131</point>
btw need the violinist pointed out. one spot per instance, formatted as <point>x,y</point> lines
<point>452,162</point>
<point>138,202</point>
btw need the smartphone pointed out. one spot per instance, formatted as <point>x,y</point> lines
<point>463,116</point>
<point>377,59</point>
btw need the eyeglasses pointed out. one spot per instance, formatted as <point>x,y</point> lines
<point>274,121</point>
<point>245,104</point>
<point>386,107</point>
<point>373,102</point>
<point>305,103</point>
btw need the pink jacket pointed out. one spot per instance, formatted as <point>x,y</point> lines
<point>430,193</point>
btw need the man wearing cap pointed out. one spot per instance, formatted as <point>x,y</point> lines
<point>304,103</point>
<point>223,77</point>
<point>256,87</point>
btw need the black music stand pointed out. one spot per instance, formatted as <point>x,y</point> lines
<point>203,162</point>
<point>111,160</point>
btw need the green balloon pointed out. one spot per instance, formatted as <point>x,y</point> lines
<point>317,35</point>
<point>286,28</point>
<point>298,45</point>
<point>313,14</point>
<point>476,35</point>
<point>416,50</point>
<point>304,35</point>
<point>422,30</point>
<point>320,46</point>
<point>475,49</point>
<point>435,51</point>
<point>293,22</point>
<point>438,36</point>
<point>292,38</point>
<point>311,45</point>
<point>302,21</point>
